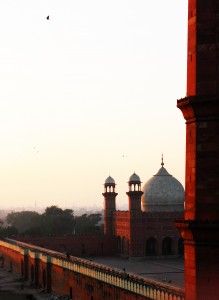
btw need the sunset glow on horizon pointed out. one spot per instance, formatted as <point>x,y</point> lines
<point>89,93</point>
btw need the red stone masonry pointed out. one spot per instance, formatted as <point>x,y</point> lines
<point>79,278</point>
<point>200,227</point>
<point>84,245</point>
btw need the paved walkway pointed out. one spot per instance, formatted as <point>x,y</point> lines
<point>12,287</point>
<point>170,271</point>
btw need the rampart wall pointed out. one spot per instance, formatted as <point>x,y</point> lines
<point>83,245</point>
<point>79,278</point>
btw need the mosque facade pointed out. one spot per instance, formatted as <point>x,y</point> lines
<point>147,228</point>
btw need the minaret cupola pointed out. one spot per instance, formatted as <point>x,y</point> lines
<point>134,183</point>
<point>109,185</point>
<point>134,192</point>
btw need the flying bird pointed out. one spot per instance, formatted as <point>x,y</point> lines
<point>47,17</point>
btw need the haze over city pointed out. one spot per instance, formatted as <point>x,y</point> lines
<point>89,93</point>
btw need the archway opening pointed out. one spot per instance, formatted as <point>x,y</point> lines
<point>44,278</point>
<point>167,246</point>
<point>119,246</point>
<point>22,268</point>
<point>32,273</point>
<point>180,247</point>
<point>151,247</point>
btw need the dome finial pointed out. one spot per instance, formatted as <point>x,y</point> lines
<point>162,163</point>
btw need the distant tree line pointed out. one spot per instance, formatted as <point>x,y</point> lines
<point>54,221</point>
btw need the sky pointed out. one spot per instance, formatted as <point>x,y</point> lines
<point>89,93</point>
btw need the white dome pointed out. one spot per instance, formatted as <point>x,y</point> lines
<point>110,181</point>
<point>163,192</point>
<point>134,178</point>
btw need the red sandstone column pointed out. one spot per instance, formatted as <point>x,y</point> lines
<point>48,276</point>
<point>26,264</point>
<point>200,227</point>
<point>36,270</point>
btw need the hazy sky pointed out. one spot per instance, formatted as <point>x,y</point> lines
<point>87,94</point>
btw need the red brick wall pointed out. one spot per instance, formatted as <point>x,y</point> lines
<point>134,228</point>
<point>63,281</point>
<point>76,245</point>
<point>122,223</point>
<point>84,287</point>
<point>11,260</point>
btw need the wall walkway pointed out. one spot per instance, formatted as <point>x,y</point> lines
<point>79,278</point>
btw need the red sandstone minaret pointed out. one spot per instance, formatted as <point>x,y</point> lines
<point>109,205</point>
<point>134,193</point>
<point>135,216</point>
<point>200,227</point>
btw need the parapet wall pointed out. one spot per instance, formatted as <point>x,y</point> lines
<point>79,278</point>
<point>83,245</point>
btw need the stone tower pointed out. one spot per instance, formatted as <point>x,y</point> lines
<point>135,216</point>
<point>109,205</point>
<point>200,108</point>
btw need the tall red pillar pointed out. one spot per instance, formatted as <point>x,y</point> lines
<point>200,108</point>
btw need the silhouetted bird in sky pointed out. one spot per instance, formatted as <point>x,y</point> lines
<point>47,17</point>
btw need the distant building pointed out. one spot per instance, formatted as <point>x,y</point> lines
<point>147,228</point>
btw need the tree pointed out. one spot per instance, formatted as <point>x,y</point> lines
<point>88,224</point>
<point>58,221</point>
<point>7,231</point>
<point>23,221</point>
<point>55,221</point>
